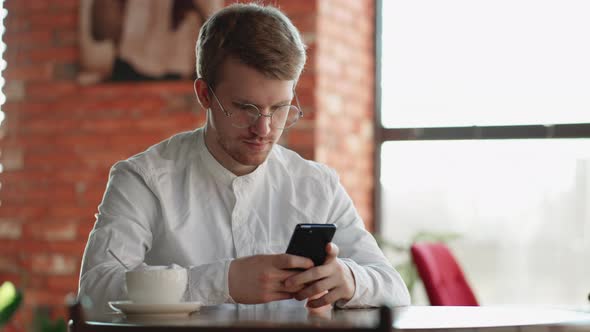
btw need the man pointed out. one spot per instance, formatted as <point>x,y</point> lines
<point>223,200</point>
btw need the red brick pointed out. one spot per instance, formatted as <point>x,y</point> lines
<point>68,283</point>
<point>25,5</point>
<point>93,197</point>
<point>12,158</point>
<point>85,227</point>
<point>181,122</point>
<point>14,90</point>
<point>304,22</point>
<point>76,107</point>
<point>10,229</point>
<point>27,39</point>
<point>65,5</point>
<point>14,277</point>
<point>305,152</point>
<point>10,247</point>
<point>22,212</point>
<point>32,72</point>
<point>54,54</point>
<point>71,249</point>
<point>54,264</point>
<point>65,37</point>
<point>60,211</point>
<point>104,159</point>
<point>292,8</point>
<point>142,89</point>
<point>300,138</point>
<point>53,177</point>
<point>36,281</point>
<point>47,126</point>
<point>16,25</point>
<point>38,91</point>
<point>51,231</point>
<point>37,297</point>
<point>56,20</point>
<point>52,161</point>
<point>9,264</point>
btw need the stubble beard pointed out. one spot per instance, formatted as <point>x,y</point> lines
<point>241,155</point>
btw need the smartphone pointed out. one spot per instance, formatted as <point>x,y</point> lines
<point>310,240</point>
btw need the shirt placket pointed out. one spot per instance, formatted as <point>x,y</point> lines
<point>243,241</point>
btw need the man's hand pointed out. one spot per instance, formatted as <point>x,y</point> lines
<point>334,279</point>
<point>260,278</point>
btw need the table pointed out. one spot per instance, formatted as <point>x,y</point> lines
<point>490,318</point>
<point>413,318</point>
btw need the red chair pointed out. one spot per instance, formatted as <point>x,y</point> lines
<point>442,276</point>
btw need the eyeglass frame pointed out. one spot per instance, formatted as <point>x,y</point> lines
<point>260,114</point>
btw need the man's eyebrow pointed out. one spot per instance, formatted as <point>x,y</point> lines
<point>280,103</point>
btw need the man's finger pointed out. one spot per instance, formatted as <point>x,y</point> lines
<point>291,289</point>
<point>283,275</point>
<point>315,288</point>
<point>311,275</point>
<point>329,298</point>
<point>275,281</point>
<point>286,261</point>
<point>332,251</point>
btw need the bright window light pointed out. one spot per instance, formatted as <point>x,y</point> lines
<point>501,62</point>
<point>519,206</point>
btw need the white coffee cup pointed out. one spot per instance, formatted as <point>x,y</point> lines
<point>156,286</point>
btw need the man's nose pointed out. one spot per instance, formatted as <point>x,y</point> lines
<point>262,126</point>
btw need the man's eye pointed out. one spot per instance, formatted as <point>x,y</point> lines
<point>282,108</point>
<point>246,107</point>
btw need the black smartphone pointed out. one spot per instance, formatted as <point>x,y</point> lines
<point>310,240</point>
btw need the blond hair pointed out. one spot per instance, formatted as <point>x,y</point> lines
<point>258,36</point>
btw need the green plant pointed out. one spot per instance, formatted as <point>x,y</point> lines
<point>404,263</point>
<point>42,322</point>
<point>10,300</point>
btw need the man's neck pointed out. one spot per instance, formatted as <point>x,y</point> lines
<point>225,159</point>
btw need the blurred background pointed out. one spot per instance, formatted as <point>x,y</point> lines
<point>461,118</point>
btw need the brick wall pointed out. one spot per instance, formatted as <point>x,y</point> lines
<point>345,95</point>
<point>59,138</point>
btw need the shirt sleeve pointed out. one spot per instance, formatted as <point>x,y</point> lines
<point>376,281</point>
<point>125,224</point>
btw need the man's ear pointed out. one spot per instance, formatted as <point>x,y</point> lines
<point>202,92</point>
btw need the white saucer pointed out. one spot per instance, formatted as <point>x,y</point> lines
<point>175,309</point>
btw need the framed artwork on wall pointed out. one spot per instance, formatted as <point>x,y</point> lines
<point>140,40</point>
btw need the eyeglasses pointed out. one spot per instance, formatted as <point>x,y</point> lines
<point>246,115</point>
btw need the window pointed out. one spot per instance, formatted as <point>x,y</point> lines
<point>483,129</point>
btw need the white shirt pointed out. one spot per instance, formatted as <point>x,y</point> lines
<point>175,204</point>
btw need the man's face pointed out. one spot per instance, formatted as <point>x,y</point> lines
<point>241,150</point>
